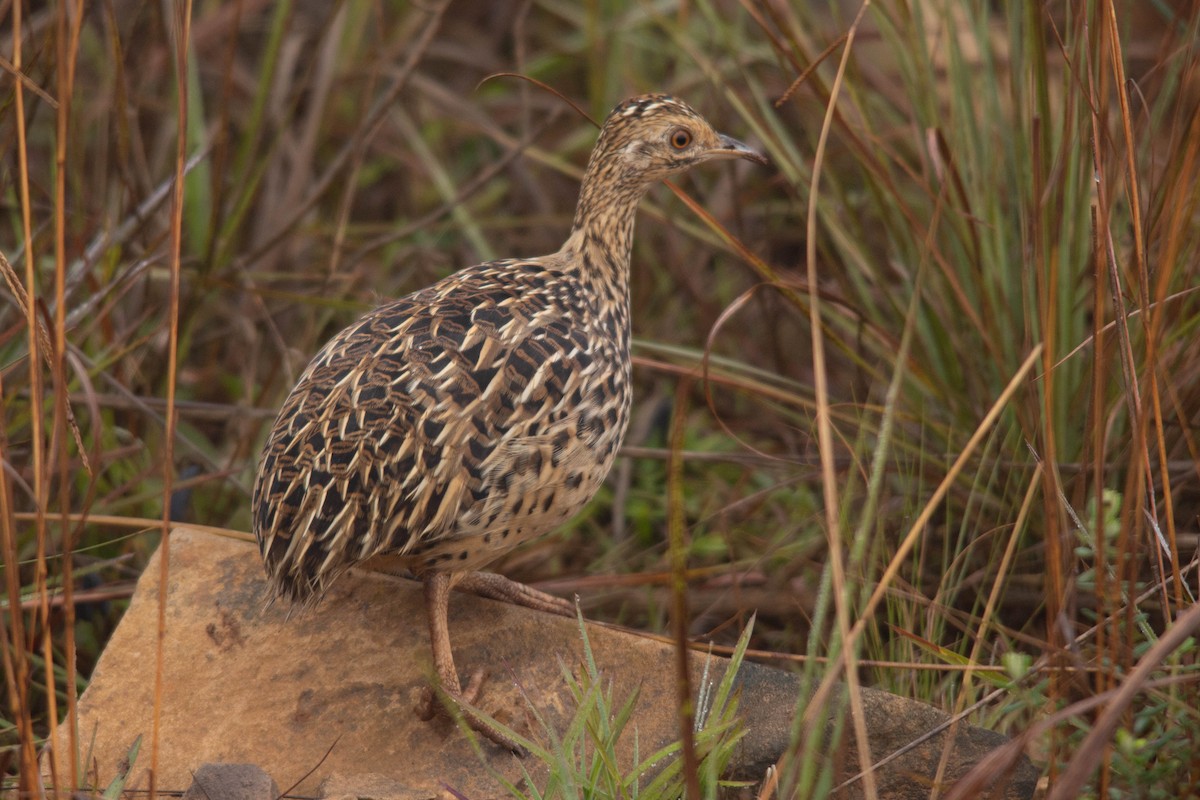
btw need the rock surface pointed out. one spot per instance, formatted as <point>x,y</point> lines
<point>324,701</point>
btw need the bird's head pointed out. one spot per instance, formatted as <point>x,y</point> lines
<point>651,137</point>
<point>644,140</point>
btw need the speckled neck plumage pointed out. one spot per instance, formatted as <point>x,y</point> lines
<point>601,240</point>
<point>607,208</point>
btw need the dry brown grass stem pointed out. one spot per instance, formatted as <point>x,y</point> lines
<point>824,420</point>
<point>181,35</point>
<point>678,546</point>
<point>28,779</point>
<point>67,31</point>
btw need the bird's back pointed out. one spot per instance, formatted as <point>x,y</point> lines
<point>447,426</point>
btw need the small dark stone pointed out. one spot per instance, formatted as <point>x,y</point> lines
<point>231,782</point>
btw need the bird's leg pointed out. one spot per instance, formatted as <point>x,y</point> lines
<point>437,606</point>
<point>498,587</point>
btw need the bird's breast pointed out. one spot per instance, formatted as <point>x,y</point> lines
<point>549,460</point>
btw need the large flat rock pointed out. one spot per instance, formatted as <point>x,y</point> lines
<point>330,693</point>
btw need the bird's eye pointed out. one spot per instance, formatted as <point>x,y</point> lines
<point>681,138</point>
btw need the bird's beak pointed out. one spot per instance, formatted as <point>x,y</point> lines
<point>732,148</point>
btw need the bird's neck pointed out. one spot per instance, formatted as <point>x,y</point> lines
<point>602,233</point>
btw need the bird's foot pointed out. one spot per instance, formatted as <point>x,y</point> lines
<point>428,707</point>
<point>498,587</point>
